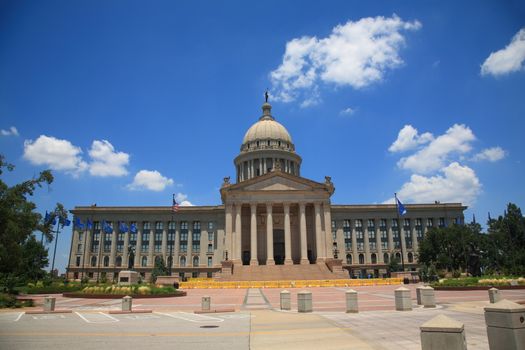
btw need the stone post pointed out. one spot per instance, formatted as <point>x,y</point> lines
<point>442,332</point>
<point>505,325</point>
<point>304,301</point>
<point>428,297</point>
<point>127,303</point>
<point>494,295</point>
<point>286,300</point>
<point>206,303</point>
<point>351,301</point>
<point>418,294</point>
<point>403,301</point>
<point>49,303</point>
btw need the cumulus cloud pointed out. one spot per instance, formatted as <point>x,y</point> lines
<point>150,180</point>
<point>12,131</point>
<point>434,156</point>
<point>409,138</point>
<point>355,54</point>
<point>55,153</point>
<point>507,60</point>
<point>182,199</point>
<point>454,183</point>
<point>105,161</point>
<point>491,154</point>
<point>348,111</point>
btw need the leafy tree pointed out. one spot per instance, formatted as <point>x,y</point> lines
<point>393,265</point>
<point>160,269</point>
<point>18,221</point>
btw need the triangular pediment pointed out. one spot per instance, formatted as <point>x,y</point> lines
<point>278,183</point>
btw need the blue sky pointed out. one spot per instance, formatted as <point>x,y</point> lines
<point>131,101</point>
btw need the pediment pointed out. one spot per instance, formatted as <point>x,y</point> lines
<point>277,183</point>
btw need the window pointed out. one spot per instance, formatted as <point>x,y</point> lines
<point>78,261</point>
<point>183,247</point>
<point>118,261</point>
<point>386,258</point>
<point>159,225</point>
<point>358,223</point>
<point>147,225</point>
<point>430,222</point>
<point>196,247</point>
<point>210,248</point>
<point>93,261</point>
<point>410,257</point>
<point>210,226</point>
<point>348,244</point>
<point>210,236</point>
<point>144,261</point>
<point>334,230</point>
<point>406,222</point>
<point>158,247</point>
<point>106,261</point>
<point>372,245</point>
<point>418,223</point>
<point>80,236</point>
<point>183,261</point>
<point>442,222</point>
<point>145,246</point>
<point>210,261</point>
<point>359,235</point>
<point>371,235</point>
<point>196,225</point>
<point>79,248</point>
<point>382,223</point>
<point>361,259</point>
<point>371,223</point>
<point>373,257</point>
<point>384,245</point>
<point>349,259</point>
<point>120,247</point>
<point>360,246</point>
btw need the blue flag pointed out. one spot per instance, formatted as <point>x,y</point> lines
<point>122,227</point>
<point>133,228</point>
<point>106,227</point>
<point>50,219</point>
<point>89,224</point>
<point>78,223</point>
<point>64,221</point>
<point>400,207</point>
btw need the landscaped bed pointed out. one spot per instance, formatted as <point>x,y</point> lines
<point>479,283</point>
<point>116,292</point>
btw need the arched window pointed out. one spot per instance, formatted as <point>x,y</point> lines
<point>118,261</point>
<point>210,261</point>
<point>169,261</point>
<point>398,256</point>
<point>182,261</point>
<point>158,259</point>
<point>195,261</point>
<point>349,259</point>
<point>374,258</point>
<point>106,261</point>
<point>386,258</point>
<point>410,257</point>
<point>361,259</point>
<point>93,261</point>
<point>144,261</point>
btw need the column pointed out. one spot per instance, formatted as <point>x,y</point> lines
<point>189,258</point>
<point>302,215</point>
<point>152,231</point>
<point>138,248</point>
<point>125,252</point>
<point>390,237</point>
<point>328,229</point>
<point>403,241</point>
<point>113,253</point>
<point>176,250</point>
<point>87,248</point>
<point>264,168</point>
<point>379,249</point>
<point>415,243</point>
<point>230,244</point>
<point>318,233</point>
<point>164,248</point>
<point>74,248</point>
<point>238,232</point>
<point>355,254</point>
<point>269,235</point>
<point>367,242</point>
<point>287,236</point>
<point>253,235</point>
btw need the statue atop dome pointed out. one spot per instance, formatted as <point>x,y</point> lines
<point>266,95</point>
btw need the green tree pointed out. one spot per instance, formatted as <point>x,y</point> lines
<point>393,265</point>
<point>160,269</point>
<point>18,221</point>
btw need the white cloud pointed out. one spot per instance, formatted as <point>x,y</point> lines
<point>12,131</point>
<point>182,199</point>
<point>105,161</point>
<point>150,180</point>
<point>54,153</point>
<point>457,140</point>
<point>408,138</point>
<point>507,60</point>
<point>455,183</point>
<point>348,111</point>
<point>355,54</point>
<point>491,154</point>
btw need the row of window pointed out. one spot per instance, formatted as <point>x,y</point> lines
<point>143,261</point>
<point>373,258</point>
<point>358,223</point>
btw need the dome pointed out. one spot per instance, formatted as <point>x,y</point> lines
<point>267,129</point>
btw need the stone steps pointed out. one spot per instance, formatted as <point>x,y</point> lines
<point>282,273</point>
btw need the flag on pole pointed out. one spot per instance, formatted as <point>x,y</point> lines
<point>400,207</point>
<point>122,227</point>
<point>175,205</point>
<point>133,228</point>
<point>78,223</point>
<point>107,227</point>
<point>89,224</point>
<point>64,221</point>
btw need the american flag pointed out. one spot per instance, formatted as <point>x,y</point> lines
<point>175,206</point>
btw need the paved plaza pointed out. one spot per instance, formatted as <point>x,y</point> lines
<point>257,322</point>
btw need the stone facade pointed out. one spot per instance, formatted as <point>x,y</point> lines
<point>271,215</point>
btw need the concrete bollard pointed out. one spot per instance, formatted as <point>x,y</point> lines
<point>304,301</point>
<point>127,303</point>
<point>403,300</point>
<point>286,300</point>
<point>206,303</point>
<point>505,325</point>
<point>494,295</point>
<point>49,304</point>
<point>428,298</point>
<point>442,332</point>
<point>351,301</point>
<point>418,294</point>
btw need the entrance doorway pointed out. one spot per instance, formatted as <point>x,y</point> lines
<point>278,247</point>
<point>246,257</point>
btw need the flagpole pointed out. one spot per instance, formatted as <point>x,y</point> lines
<point>401,233</point>
<point>55,250</point>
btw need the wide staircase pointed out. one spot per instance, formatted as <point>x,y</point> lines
<point>282,273</point>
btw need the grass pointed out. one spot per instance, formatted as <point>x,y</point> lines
<point>484,281</point>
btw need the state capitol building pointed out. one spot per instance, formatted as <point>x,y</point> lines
<point>272,224</point>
